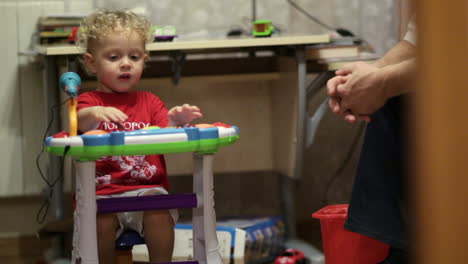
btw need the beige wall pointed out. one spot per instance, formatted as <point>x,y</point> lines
<point>22,110</point>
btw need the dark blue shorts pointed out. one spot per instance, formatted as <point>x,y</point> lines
<point>378,206</point>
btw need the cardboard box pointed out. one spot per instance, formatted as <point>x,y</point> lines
<point>241,240</point>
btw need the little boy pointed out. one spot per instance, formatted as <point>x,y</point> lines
<point>114,43</point>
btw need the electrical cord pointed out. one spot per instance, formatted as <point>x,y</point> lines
<point>42,212</point>
<point>343,32</point>
<point>345,162</point>
<point>308,15</point>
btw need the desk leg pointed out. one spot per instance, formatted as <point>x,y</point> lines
<point>301,110</point>
<point>205,240</point>
<point>314,87</point>
<point>303,93</point>
<point>313,122</point>
<point>51,96</point>
<point>85,249</point>
<point>287,183</point>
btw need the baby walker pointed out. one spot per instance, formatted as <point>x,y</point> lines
<point>203,140</point>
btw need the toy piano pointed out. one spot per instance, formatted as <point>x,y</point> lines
<point>203,138</point>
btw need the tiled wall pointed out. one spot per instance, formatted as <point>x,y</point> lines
<point>10,133</point>
<point>22,110</point>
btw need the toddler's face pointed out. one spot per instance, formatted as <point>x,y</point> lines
<point>118,60</point>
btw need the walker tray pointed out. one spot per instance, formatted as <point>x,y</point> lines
<point>202,139</point>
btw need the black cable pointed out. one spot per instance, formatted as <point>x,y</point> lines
<point>345,162</point>
<point>343,32</point>
<point>311,17</point>
<point>42,212</point>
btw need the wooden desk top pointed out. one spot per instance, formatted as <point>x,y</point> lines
<point>181,44</point>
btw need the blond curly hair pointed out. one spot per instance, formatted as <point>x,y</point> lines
<point>103,22</point>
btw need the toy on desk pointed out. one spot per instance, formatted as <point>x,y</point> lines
<point>164,33</point>
<point>59,35</point>
<point>58,29</point>
<point>262,28</point>
<point>73,36</point>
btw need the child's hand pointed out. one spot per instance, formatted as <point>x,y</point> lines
<point>90,117</point>
<point>109,114</point>
<point>182,115</point>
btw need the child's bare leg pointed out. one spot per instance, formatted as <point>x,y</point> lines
<point>106,225</point>
<point>159,235</point>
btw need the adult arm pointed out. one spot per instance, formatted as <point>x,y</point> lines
<point>348,89</point>
<point>367,88</point>
<point>402,51</point>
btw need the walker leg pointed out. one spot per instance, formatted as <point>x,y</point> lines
<point>205,241</point>
<point>84,233</point>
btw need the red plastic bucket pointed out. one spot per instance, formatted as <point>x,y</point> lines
<point>341,246</point>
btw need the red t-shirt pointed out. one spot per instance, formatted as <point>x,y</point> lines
<point>119,174</point>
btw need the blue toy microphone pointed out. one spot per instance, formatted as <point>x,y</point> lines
<point>70,83</point>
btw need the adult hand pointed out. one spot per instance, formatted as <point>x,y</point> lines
<point>182,115</point>
<point>335,100</point>
<point>361,90</point>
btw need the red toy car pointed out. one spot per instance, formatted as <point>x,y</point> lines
<point>291,256</point>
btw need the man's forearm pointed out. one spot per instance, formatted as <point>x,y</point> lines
<point>399,78</point>
<point>400,52</point>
